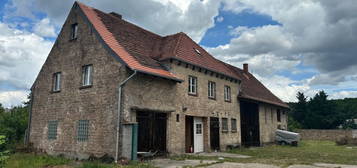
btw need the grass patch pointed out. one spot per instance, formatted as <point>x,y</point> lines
<point>308,152</point>
<point>22,160</point>
<point>28,160</point>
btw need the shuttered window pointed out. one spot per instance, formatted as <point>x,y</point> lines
<point>82,130</point>
<point>224,124</point>
<point>234,125</point>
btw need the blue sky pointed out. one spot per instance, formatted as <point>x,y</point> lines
<point>290,46</point>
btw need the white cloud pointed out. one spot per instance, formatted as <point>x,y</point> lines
<point>44,28</point>
<point>21,57</point>
<point>13,98</point>
<point>343,94</point>
<point>220,19</point>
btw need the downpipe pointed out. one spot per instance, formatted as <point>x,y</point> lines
<point>121,85</point>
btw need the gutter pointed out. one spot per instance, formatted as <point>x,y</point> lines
<point>121,85</point>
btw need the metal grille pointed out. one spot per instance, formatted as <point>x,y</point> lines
<point>82,130</point>
<point>52,130</point>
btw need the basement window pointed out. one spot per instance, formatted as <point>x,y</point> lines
<point>56,82</point>
<point>52,130</point>
<point>211,90</point>
<point>234,125</point>
<point>74,31</point>
<point>192,85</point>
<point>82,130</point>
<point>224,125</point>
<point>87,71</point>
<point>227,93</point>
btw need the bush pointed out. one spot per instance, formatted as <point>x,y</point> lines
<point>4,154</point>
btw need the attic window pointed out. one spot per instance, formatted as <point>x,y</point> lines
<point>197,51</point>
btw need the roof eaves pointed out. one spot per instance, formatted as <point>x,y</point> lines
<point>264,101</point>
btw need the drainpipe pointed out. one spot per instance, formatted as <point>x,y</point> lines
<point>121,85</point>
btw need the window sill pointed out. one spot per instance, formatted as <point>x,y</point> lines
<point>193,94</point>
<point>73,39</point>
<point>57,91</point>
<point>86,87</point>
<point>212,98</point>
<point>224,131</point>
<point>228,101</point>
<point>235,131</point>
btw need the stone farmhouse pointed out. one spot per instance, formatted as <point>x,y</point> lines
<point>111,87</point>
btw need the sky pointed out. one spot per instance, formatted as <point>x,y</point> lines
<point>291,46</point>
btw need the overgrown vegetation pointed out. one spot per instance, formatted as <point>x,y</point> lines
<point>3,152</point>
<point>320,113</point>
<point>28,160</point>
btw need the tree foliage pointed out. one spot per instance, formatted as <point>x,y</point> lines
<point>320,113</point>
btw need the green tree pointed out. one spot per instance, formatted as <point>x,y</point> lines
<point>3,152</point>
<point>13,124</point>
<point>300,109</point>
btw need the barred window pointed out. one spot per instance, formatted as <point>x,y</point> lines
<point>56,82</point>
<point>192,85</point>
<point>82,130</point>
<point>211,90</point>
<point>227,93</point>
<point>234,125</point>
<point>224,124</point>
<point>87,71</point>
<point>52,130</point>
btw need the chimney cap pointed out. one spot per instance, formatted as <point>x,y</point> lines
<point>117,15</point>
<point>245,67</point>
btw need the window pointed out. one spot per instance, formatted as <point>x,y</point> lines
<point>278,115</point>
<point>87,75</point>
<point>74,31</point>
<point>234,125</point>
<point>227,93</point>
<point>224,124</point>
<point>192,85</point>
<point>198,128</point>
<point>177,117</point>
<point>272,113</point>
<point>211,90</point>
<point>52,130</point>
<point>82,130</point>
<point>56,82</point>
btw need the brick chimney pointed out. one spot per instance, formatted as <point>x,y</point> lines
<point>245,68</point>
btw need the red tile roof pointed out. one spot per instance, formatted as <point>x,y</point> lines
<point>144,51</point>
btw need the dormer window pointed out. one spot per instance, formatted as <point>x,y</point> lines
<point>74,31</point>
<point>197,51</point>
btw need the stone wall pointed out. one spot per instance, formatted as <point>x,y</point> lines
<point>98,103</point>
<point>332,135</point>
<point>268,122</point>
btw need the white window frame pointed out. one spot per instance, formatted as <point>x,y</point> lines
<point>56,82</point>
<point>87,75</point>
<point>192,85</point>
<point>211,90</point>
<point>227,93</point>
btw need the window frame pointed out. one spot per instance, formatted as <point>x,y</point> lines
<point>82,130</point>
<point>74,31</point>
<point>56,82</point>
<point>227,93</point>
<point>212,90</point>
<point>87,77</point>
<point>224,125</point>
<point>234,127</point>
<point>52,129</point>
<point>192,85</point>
